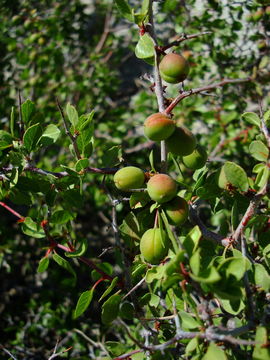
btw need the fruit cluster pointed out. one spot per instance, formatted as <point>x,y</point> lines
<point>161,188</point>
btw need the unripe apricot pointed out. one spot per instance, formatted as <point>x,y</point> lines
<point>174,68</point>
<point>176,211</point>
<point>267,11</point>
<point>196,159</point>
<point>158,127</point>
<point>153,246</point>
<point>161,188</point>
<point>258,15</point>
<point>182,142</point>
<point>129,177</point>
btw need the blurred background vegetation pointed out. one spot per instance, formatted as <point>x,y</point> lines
<point>82,52</point>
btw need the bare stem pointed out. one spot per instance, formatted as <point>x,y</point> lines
<point>185,94</point>
<point>182,38</point>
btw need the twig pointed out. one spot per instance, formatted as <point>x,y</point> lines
<point>182,38</point>
<point>72,137</point>
<point>158,84</point>
<point>134,288</point>
<point>12,211</point>
<point>8,352</point>
<point>92,342</point>
<point>21,126</point>
<point>191,92</point>
<point>206,233</point>
<point>253,205</point>
<point>249,295</point>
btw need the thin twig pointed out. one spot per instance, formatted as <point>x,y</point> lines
<point>8,352</point>
<point>182,38</point>
<point>191,92</point>
<point>158,84</point>
<point>134,288</point>
<point>72,137</point>
<point>206,233</point>
<point>21,126</point>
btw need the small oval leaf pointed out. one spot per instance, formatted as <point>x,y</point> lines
<point>83,303</point>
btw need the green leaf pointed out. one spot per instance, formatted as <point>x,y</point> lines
<point>252,118</point>
<point>261,350</point>
<point>43,264</point>
<point>207,276</point>
<point>214,352</point>
<point>83,303</point>
<point>31,228</point>
<point>81,164</point>
<point>112,156</point>
<point>110,309</point>
<point>80,251</point>
<point>262,278</point>
<point>234,266</point>
<point>32,136</point>
<point>72,115</point>
<point>124,9</point>
<point>130,227</point>
<point>139,200</point>
<point>145,6</point>
<point>64,264</point>
<point>115,348</point>
<point>174,264</point>
<point>191,241</point>
<point>259,150</point>
<point>156,273</point>
<point>61,217</point>
<point>233,307</point>
<point>5,140</point>
<point>262,178</point>
<point>50,135</point>
<point>188,322</point>
<point>145,49</point>
<point>110,288</point>
<point>169,231</point>
<point>27,108</point>
<point>233,174</point>
<point>85,121</point>
<point>151,161</point>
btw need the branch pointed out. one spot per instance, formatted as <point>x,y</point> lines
<point>190,92</point>
<point>253,205</point>
<point>206,233</point>
<point>158,84</point>
<point>72,137</point>
<point>182,38</point>
<point>60,174</point>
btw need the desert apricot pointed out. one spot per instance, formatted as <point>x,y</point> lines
<point>158,127</point>
<point>174,68</point>
<point>182,142</point>
<point>196,159</point>
<point>129,177</point>
<point>154,246</point>
<point>161,188</point>
<point>176,211</point>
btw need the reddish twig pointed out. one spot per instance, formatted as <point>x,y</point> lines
<point>191,92</point>
<point>12,211</point>
<point>182,38</point>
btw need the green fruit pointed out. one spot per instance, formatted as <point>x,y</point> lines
<point>267,11</point>
<point>196,159</point>
<point>129,177</point>
<point>158,127</point>
<point>161,188</point>
<point>257,15</point>
<point>174,68</point>
<point>182,142</point>
<point>176,211</point>
<point>153,247</point>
